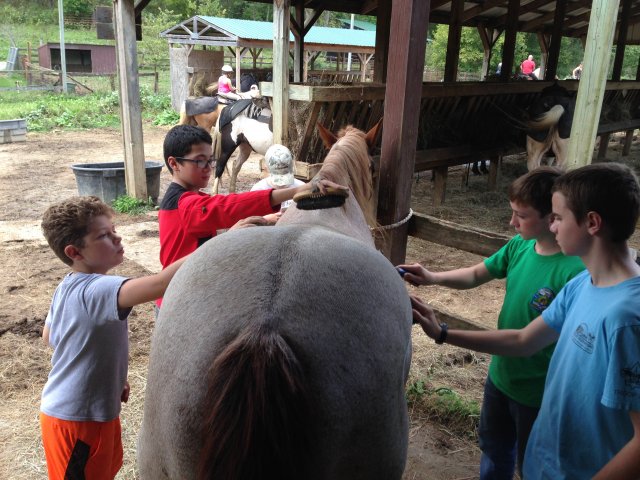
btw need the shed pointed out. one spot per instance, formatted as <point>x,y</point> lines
<point>249,36</point>
<point>80,57</point>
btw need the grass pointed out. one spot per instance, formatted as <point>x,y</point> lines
<point>46,111</point>
<point>442,404</point>
<point>132,206</point>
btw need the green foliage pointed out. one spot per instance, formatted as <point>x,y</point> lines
<point>132,206</point>
<point>78,7</point>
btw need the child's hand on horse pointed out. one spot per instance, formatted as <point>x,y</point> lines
<point>322,184</point>
<point>424,315</point>
<point>255,221</point>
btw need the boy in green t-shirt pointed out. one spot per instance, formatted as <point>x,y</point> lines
<point>536,270</point>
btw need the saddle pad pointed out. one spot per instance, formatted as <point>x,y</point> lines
<point>196,106</point>
<point>232,111</point>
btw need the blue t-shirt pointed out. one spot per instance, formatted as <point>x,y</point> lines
<point>593,380</point>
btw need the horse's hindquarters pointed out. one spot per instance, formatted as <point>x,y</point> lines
<point>345,315</point>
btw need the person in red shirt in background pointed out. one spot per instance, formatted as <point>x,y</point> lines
<point>528,66</point>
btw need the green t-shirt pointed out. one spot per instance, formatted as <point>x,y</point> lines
<point>533,281</point>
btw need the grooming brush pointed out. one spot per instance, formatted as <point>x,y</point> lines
<point>317,200</point>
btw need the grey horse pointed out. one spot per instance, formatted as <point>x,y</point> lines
<point>285,361</point>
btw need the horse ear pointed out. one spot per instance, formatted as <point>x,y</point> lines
<point>372,135</point>
<point>327,137</point>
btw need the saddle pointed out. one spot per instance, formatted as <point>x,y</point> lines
<point>232,111</point>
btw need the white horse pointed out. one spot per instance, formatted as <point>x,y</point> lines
<point>299,371</point>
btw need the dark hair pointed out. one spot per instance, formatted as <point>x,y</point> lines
<point>534,189</point>
<point>67,222</point>
<point>180,139</point>
<point>609,189</point>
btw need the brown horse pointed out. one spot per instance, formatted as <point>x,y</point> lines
<point>299,370</point>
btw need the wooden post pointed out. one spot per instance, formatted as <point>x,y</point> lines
<point>238,67</point>
<point>543,41</point>
<point>604,145</point>
<point>408,38</point>
<point>510,33</point>
<point>628,140</point>
<point>602,23</point>
<point>155,79</point>
<point>556,38</point>
<point>622,40</point>
<point>382,41</point>
<point>281,70</point>
<point>130,108</point>
<point>298,44</point>
<point>453,41</point>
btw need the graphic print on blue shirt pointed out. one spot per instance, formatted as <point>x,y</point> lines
<point>631,376</point>
<point>542,299</point>
<point>583,338</point>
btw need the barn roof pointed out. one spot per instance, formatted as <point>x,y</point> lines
<point>233,32</point>
<point>534,15</point>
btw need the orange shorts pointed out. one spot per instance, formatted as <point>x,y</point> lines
<point>81,450</point>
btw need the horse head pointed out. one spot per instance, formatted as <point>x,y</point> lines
<point>349,163</point>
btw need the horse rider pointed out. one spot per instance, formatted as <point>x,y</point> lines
<point>226,91</point>
<point>528,66</point>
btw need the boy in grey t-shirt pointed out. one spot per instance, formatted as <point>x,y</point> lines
<point>87,327</point>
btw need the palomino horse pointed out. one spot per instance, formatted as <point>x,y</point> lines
<point>304,378</point>
<point>251,130</point>
<point>204,111</point>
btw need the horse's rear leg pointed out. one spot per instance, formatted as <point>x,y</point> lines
<point>244,152</point>
<point>535,151</point>
<point>560,148</point>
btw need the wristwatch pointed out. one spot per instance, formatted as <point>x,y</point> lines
<point>443,333</point>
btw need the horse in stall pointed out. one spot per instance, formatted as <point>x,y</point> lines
<point>204,111</point>
<point>550,126</point>
<point>302,379</point>
<point>251,129</point>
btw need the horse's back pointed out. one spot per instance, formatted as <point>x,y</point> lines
<point>339,305</point>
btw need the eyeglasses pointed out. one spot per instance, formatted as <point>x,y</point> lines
<point>199,163</point>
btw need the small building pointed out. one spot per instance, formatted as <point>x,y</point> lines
<point>80,57</point>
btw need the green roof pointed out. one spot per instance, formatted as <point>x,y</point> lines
<point>359,24</point>
<point>256,30</point>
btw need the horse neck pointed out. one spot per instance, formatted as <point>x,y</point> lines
<point>347,220</point>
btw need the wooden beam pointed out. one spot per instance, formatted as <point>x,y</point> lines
<point>453,41</point>
<point>281,70</point>
<point>593,82</point>
<point>383,25</point>
<point>543,41</point>
<point>556,39</point>
<point>478,9</point>
<point>509,47</point>
<point>450,234</point>
<point>298,47</point>
<point>622,39</point>
<point>130,106</point>
<point>408,39</point>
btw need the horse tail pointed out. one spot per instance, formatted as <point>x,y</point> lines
<point>258,410</point>
<point>548,119</point>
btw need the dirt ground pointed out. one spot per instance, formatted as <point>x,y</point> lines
<point>37,173</point>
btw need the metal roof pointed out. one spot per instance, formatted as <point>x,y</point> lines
<point>252,33</point>
<point>534,16</point>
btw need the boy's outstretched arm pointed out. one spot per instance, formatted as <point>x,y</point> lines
<point>626,463</point>
<point>145,289</point>
<point>460,279</point>
<point>284,194</point>
<point>516,343</point>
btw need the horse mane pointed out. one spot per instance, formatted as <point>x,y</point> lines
<point>348,163</point>
<point>257,410</point>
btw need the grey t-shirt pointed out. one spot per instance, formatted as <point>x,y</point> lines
<point>91,349</point>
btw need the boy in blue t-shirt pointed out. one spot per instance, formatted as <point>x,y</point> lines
<point>87,327</point>
<point>589,421</point>
<point>536,270</point>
